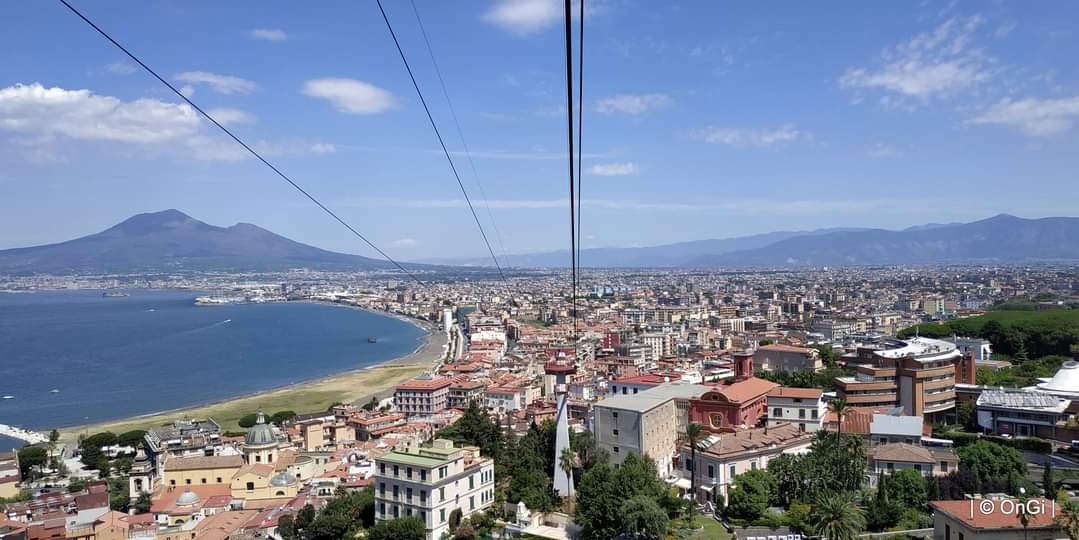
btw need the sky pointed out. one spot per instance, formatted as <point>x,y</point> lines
<point>702,119</point>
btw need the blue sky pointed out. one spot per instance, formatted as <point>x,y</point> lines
<point>703,119</point>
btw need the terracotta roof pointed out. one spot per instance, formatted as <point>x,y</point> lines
<point>425,384</point>
<point>641,379</point>
<point>203,462</point>
<point>970,513</point>
<point>907,453</point>
<point>753,439</point>
<point>748,389</point>
<point>785,348</point>
<point>804,393</point>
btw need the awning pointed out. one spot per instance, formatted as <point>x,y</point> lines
<point>683,483</point>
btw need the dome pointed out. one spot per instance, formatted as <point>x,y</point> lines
<point>187,498</point>
<point>1065,380</point>
<point>282,479</point>
<point>261,433</point>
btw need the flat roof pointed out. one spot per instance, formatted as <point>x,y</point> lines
<point>647,400</point>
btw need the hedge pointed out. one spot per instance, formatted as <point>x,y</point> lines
<point>1031,444</point>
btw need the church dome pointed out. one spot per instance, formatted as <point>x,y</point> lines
<point>187,498</point>
<point>261,433</point>
<point>282,479</point>
<point>1065,380</point>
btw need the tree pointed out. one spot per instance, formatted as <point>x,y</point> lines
<point>993,467</point>
<point>31,457</point>
<point>751,494</point>
<point>1049,483</point>
<point>1068,519</point>
<point>279,418</point>
<point>248,420</point>
<point>371,405</point>
<point>839,409</point>
<point>908,488</point>
<point>406,528</point>
<point>835,463</point>
<point>644,519</point>
<point>76,485</point>
<point>567,461</point>
<point>455,518</point>
<point>693,437</point>
<point>789,473</point>
<point>599,503</point>
<point>797,517</point>
<point>476,428</point>
<point>837,517</point>
<point>144,502</point>
<point>286,528</point>
<point>966,417</point>
<point>100,440</point>
<point>133,438</point>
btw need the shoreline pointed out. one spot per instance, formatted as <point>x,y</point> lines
<point>305,396</point>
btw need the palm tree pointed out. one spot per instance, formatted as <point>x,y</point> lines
<point>567,461</point>
<point>693,437</point>
<point>838,517</point>
<point>1068,519</point>
<point>840,409</point>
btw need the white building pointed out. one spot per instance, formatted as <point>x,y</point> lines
<point>803,407</point>
<point>430,483</point>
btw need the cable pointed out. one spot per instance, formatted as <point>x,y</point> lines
<point>439,135</point>
<point>240,142</point>
<point>580,132</point>
<point>572,202</point>
<point>460,132</point>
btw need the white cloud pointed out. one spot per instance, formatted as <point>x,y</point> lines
<point>222,84</point>
<point>614,169</point>
<point>350,96</point>
<point>523,17</point>
<point>187,90</point>
<point>632,104</point>
<point>748,136</point>
<point>268,34</point>
<point>940,63</point>
<point>232,116</point>
<point>1032,116</point>
<point>881,150</point>
<point>405,243</point>
<point>323,148</point>
<point>120,68</point>
<point>81,114</point>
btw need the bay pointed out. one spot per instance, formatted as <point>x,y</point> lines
<point>110,358</point>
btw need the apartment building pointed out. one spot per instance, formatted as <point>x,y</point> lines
<point>917,375</point>
<point>430,483</point>
<point>1024,413</point>
<point>423,396</point>
<point>786,358</point>
<point>892,457</point>
<point>647,423</point>
<point>803,407</point>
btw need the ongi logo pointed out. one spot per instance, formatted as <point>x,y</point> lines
<point>1009,506</point>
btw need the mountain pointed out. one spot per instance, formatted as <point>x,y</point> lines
<point>666,255</point>
<point>1002,238</point>
<point>171,241</point>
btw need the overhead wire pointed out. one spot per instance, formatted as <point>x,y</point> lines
<point>438,134</point>
<point>580,131</point>
<point>460,132</point>
<point>239,141</point>
<point>572,202</point>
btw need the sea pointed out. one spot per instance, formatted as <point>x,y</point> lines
<point>73,357</point>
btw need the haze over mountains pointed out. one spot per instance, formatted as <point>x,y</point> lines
<point>1002,238</point>
<point>171,241</point>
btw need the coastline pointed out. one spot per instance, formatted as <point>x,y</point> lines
<point>357,385</point>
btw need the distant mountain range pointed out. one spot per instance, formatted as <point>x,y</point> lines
<point>171,241</point>
<point>1001,238</point>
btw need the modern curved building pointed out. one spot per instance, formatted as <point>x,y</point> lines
<point>916,374</point>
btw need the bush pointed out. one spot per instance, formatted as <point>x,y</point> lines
<point>248,420</point>
<point>1030,444</point>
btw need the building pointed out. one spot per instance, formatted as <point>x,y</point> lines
<point>786,358</point>
<point>647,423</point>
<point>188,437</point>
<point>803,407</point>
<point>929,461</point>
<point>1024,413</point>
<point>423,396</point>
<point>917,374</point>
<point>995,519</point>
<point>373,427</point>
<point>727,455</point>
<point>979,348</point>
<point>430,483</point>
<point>504,399</point>
<point>738,405</point>
<point>9,475</point>
<point>465,391</point>
<point>635,384</point>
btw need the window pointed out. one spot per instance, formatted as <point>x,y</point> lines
<point>801,413</point>
<point>614,389</point>
<point>918,467</point>
<point>250,486</point>
<point>689,464</point>
<point>423,496</point>
<point>218,479</point>
<point>172,482</point>
<point>615,431</point>
<point>382,468</point>
<point>258,458</point>
<point>615,449</point>
<point>396,471</point>
<point>382,508</point>
<point>203,480</point>
<point>472,503</point>
<point>423,475</point>
<point>442,515</point>
<point>382,488</point>
<point>634,390</point>
<point>396,511</point>
<point>442,496</point>
<point>777,412</point>
<point>614,414</point>
<point>423,516</point>
<point>472,482</point>
<point>623,390</point>
<point>943,466</point>
<point>408,494</point>
<point>711,471</point>
<point>802,428</point>
<point>395,492</point>
<point>732,475</point>
<point>408,473</point>
<point>187,481</point>
<point>753,466</point>
<point>814,415</point>
<point>891,466</point>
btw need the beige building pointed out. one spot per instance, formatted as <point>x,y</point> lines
<point>648,423</point>
<point>200,470</point>
<point>430,483</point>
<point>994,519</point>
<point>786,358</point>
<point>892,457</point>
<point>9,475</point>
<point>917,374</point>
<point>803,407</point>
<point>422,396</point>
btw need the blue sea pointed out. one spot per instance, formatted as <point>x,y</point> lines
<point>155,350</point>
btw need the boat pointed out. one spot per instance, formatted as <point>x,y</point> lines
<point>8,397</point>
<point>54,391</point>
<point>115,294</point>
<point>372,339</point>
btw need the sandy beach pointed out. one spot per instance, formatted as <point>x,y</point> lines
<point>303,397</point>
